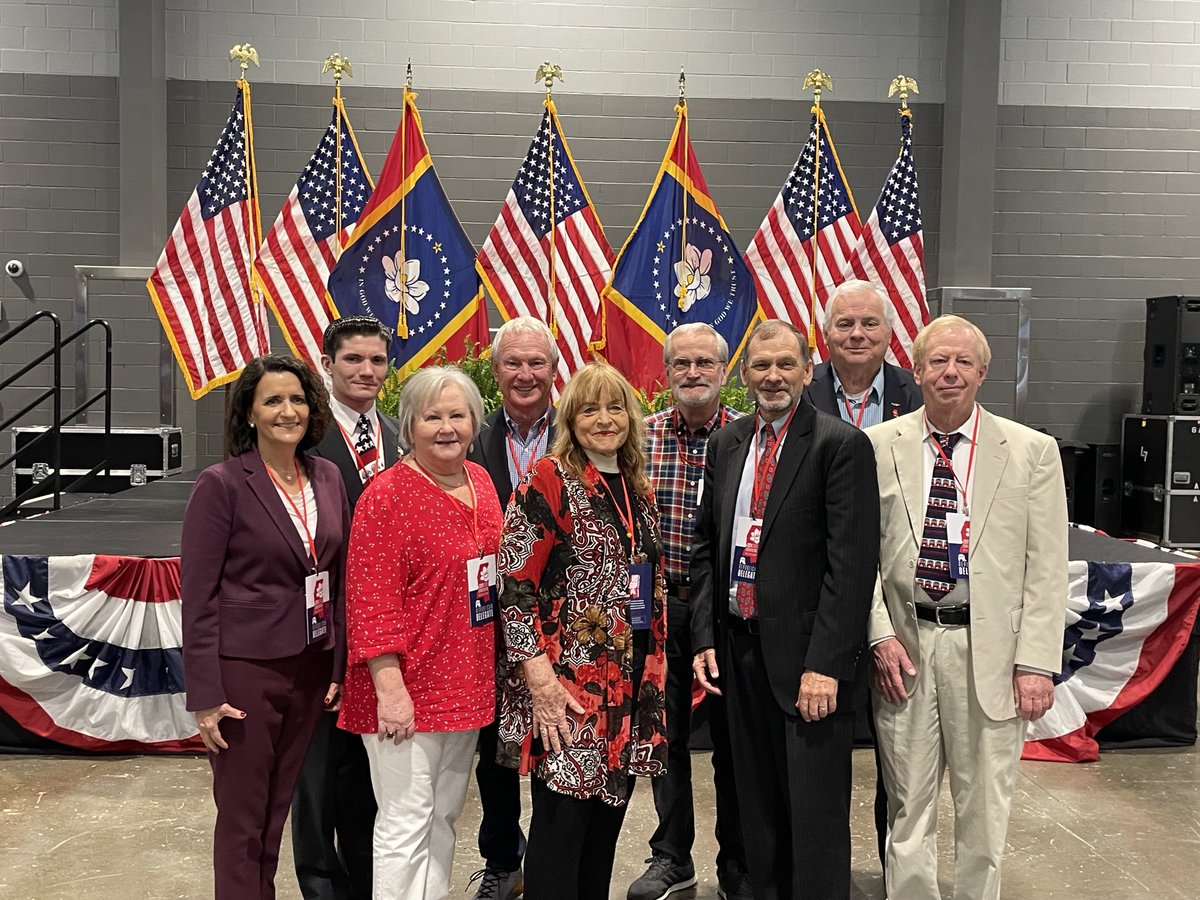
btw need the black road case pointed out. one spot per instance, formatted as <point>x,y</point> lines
<point>1160,470</point>
<point>138,455</point>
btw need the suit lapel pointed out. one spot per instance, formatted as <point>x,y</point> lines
<point>495,453</point>
<point>327,503</point>
<point>264,489</point>
<point>907,450</point>
<point>742,433</point>
<point>391,440</point>
<point>991,456</point>
<point>791,457</point>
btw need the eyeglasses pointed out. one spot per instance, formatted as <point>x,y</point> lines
<point>683,364</point>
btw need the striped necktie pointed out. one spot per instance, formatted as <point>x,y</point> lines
<point>933,565</point>
<point>747,601</point>
<point>364,446</point>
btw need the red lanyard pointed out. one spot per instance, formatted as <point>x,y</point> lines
<point>760,470</point>
<point>301,511</point>
<point>626,516</point>
<point>512,449</point>
<point>680,450</point>
<point>471,520</point>
<point>354,450</point>
<point>862,409</point>
<point>962,486</point>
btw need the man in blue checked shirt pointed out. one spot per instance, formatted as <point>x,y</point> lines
<point>695,356</point>
<point>856,383</point>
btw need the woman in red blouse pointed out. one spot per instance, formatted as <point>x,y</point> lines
<point>584,628</point>
<point>421,590</point>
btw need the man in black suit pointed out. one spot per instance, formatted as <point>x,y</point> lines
<point>513,438</point>
<point>782,635</point>
<point>333,808</point>
<point>856,383</point>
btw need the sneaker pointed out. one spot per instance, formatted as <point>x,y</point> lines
<point>664,877</point>
<point>734,885</point>
<point>497,885</point>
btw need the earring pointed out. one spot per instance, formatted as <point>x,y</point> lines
<point>251,424</point>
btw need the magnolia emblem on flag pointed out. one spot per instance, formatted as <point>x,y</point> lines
<point>692,274</point>
<point>406,286</point>
<point>695,272</point>
<point>424,253</point>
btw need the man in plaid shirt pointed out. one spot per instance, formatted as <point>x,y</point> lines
<point>695,356</point>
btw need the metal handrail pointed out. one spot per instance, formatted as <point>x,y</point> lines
<point>53,432</point>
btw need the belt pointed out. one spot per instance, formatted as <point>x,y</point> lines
<point>945,615</point>
<point>678,591</point>
<point>738,625</point>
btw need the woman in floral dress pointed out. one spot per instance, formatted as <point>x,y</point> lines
<point>584,619</point>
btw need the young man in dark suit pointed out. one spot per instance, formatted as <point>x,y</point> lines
<point>782,635</point>
<point>513,438</point>
<point>333,808</point>
<point>856,383</point>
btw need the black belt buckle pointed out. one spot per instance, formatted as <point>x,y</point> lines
<point>946,616</point>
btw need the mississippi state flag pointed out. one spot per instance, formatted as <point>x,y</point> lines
<point>1127,625</point>
<point>90,652</point>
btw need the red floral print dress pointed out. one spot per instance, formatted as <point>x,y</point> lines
<point>564,592</point>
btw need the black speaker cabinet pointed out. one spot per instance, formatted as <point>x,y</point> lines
<point>1160,468</point>
<point>1093,477</point>
<point>1171,376</point>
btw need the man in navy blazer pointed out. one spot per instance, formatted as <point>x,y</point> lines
<point>856,383</point>
<point>513,438</point>
<point>333,808</point>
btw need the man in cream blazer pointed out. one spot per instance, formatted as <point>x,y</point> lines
<point>966,640</point>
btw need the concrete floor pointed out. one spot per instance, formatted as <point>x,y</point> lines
<point>1125,828</point>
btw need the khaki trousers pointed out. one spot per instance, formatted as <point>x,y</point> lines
<point>941,726</point>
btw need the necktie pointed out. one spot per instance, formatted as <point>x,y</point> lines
<point>364,446</point>
<point>746,599</point>
<point>933,565</point>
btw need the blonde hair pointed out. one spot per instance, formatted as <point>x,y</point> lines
<point>945,323</point>
<point>600,383</point>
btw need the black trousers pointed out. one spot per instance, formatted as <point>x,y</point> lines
<point>501,841</point>
<point>676,831</point>
<point>797,778</point>
<point>572,845</point>
<point>333,816</point>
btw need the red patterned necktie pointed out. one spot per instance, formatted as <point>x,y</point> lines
<point>747,601</point>
<point>364,446</point>
<point>933,565</point>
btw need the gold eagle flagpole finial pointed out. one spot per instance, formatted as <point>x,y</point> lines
<point>546,73</point>
<point>903,85</point>
<point>818,81</point>
<point>244,54</point>
<point>340,66</point>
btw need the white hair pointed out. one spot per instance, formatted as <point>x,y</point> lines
<point>856,286</point>
<point>421,390</point>
<point>525,325</point>
<point>691,328</point>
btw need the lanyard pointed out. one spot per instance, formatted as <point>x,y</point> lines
<point>301,511</point>
<point>962,485</point>
<point>471,520</point>
<point>760,475</point>
<point>512,449</point>
<point>862,409</point>
<point>625,515</point>
<point>680,450</point>
<point>354,450</point>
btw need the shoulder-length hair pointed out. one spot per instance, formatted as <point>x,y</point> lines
<point>422,389</point>
<point>240,437</point>
<point>599,383</point>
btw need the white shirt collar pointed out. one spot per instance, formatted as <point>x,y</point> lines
<point>348,418</point>
<point>966,429</point>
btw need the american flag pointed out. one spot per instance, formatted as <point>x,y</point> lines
<point>90,652</point>
<point>548,202</point>
<point>299,251</point>
<point>890,251</point>
<point>1127,625</point>
<point>201,286</point>
<point>781,254</point>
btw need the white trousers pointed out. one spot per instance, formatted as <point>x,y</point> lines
<point>941,726</point>
<point>420,787</point>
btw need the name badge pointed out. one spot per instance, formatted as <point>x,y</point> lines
<point>958,539</point>
<point>316,601</point>
<point>481,589</point>
<point>747,532</point>
<point>641,595</point>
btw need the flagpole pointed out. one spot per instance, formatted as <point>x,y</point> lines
<point>246,54</point>
<point>401,268</point>
<point>546,73</point>
<point>339,65</point>
<point>682,108</point>
<point>817,80</point>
